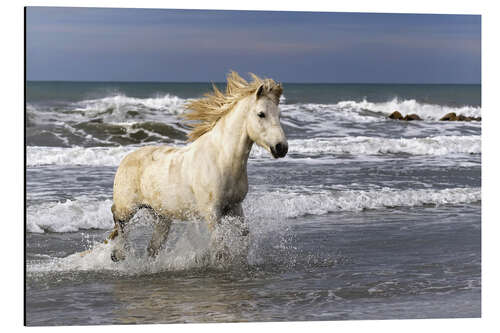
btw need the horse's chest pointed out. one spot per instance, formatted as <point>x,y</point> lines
<point>234,192</point>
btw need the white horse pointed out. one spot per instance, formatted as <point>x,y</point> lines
<point>208,177</point>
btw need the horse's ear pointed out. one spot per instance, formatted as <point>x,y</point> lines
<point>260,91</point>
<point>280,89</point>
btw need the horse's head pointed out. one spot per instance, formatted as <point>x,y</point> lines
<point>263,120</point>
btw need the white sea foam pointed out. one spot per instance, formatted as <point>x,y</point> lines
<point>295,204</point>
<point>361,145</point>
<point>70,215</point>
<point>438,145</point>
<point>190,244</point>
<point>319,113</point>
<point>425,111</point>
<point>169,103</point>
<point>87,213</point>
<point>92,156</point>
<point>356,111</point>
<point>117,108</point>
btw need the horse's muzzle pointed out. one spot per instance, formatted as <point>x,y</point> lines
<point>279,150</point>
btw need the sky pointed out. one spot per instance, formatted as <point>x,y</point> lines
<point>112,44</point>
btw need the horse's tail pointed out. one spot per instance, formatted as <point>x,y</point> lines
<point>113,233</point>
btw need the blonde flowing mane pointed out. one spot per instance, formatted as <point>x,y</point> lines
<point>206,111</point>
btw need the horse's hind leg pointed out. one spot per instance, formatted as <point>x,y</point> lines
<point>118,235</point>
<point>160,234</point>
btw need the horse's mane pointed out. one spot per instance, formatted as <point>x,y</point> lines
<point>206,111</point>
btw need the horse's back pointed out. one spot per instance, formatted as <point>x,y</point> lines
<point>144,156</point>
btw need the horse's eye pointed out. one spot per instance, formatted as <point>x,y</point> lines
<point>261,115</point>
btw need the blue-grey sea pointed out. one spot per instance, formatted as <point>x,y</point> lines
<point>365,218</point>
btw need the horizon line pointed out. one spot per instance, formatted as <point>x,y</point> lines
<point>284,82</point>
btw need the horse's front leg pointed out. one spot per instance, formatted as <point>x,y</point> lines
<point>213,218</point>
<point>237,212</point>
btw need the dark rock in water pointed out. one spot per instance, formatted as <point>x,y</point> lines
<point>410,117</point>
<point>452,116</point>
<point>465,118</point>
<point>396,115</point>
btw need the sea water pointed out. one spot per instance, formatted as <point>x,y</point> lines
<point>365,218</point>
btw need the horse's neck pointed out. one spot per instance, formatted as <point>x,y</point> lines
<point>230,137</point>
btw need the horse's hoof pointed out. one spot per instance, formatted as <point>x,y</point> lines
<point>114,258</point>
<point>117,256</point>
<point>153,253</point>
<point>222,255</point>
<point>244,232</point>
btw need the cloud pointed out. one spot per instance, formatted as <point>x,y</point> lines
<point>204,42</point>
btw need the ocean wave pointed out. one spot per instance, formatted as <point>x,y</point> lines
<point>409,106</point>
<point>297,115</point>
<point>361,145</point>
<point>123,120</point>
<point>365,111</point>
<point>70,216</point>
<point>93,156</point>
<point>166,103</point>
<point>297,204</point>
<point>88,213</point>
<point>438,145</point>
<point>191,246</point>
<point>116,108</point>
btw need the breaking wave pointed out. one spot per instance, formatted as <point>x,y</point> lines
<point>87,213</point>
<point>93,156</point>
<point>124,120</point>
<point>361,145</point>
<point>365,111</point>
<point>438,145</point>
<point>191,246</point>
<point>295,204</point>
<point>116,108</point>
<point>425,111</point>
<point>70,215</point>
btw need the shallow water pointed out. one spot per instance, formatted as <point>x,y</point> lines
<point>366,217</point>
<point>368,265</point>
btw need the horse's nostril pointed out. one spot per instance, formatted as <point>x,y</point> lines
<point>281,149</point>
<point>279,146</point>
